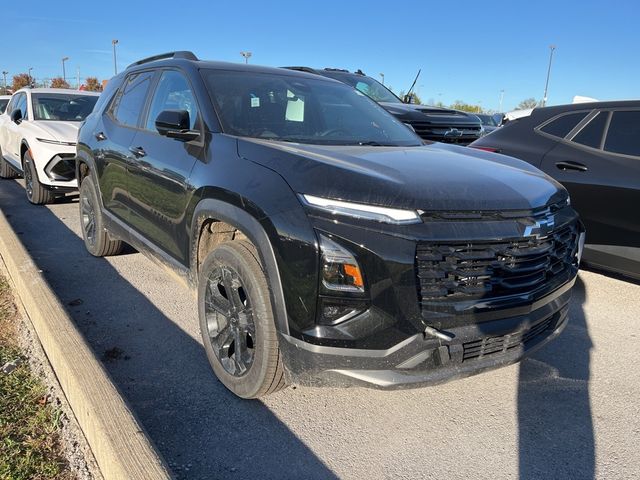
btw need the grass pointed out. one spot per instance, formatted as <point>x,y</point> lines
<point>29,442</point>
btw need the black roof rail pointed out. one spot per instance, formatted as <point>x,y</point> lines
<point>179,54</point>
<point>301,69</point>
<point>337,70</point>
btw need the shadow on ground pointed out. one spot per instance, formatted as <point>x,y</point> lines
<point>556,438</point>
<point>202,430</point>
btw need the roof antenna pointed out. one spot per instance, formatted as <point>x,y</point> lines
<point>407,97</point>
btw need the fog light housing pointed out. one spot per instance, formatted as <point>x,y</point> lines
<point>336,310</point>
<point>340,270</point>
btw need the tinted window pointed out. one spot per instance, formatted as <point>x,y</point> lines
<point>563,124</point>
<point>301,109</point>
<point>60,106</point>
<point>128,106</point>
<point>367,85</point>
<point>3,104</point>
<point>591,134</point>
<point>623,135</point>
<point>173,93</point>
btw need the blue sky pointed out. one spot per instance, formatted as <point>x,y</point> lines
<point>467,50</point>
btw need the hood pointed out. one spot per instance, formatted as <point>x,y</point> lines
<point>431,177</point>
<point>61,131</point>
<point>433,115</point>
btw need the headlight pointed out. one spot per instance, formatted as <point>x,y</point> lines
<point>358,210</point>
<point>340,270</point>
<point>56,142</point>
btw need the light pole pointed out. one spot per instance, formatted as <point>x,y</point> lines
<point>64,72</point>
<point>4,75</point>
<point>382,76</point>
<point>501,98</point>
<point>246,56</point>
<point>115,63</point>
<point>30,79</point>
<point>546,85</point>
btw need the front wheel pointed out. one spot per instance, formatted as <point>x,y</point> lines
<point>237,322</point>
<point>37,193</point>
<point>96,239</point>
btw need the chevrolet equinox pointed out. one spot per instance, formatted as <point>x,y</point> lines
<point>328,244</point>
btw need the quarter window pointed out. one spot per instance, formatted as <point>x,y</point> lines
<point>623,133</point>
<point>19,102</point>
<point>591,134</point>
<point>130,102</point>
<point>562,125</point>
<point>173,93</point>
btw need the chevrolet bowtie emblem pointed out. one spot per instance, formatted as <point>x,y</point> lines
<point>540,228</point>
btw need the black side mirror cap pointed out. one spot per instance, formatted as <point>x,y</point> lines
<point>175,124</point>
<point>16,116</point>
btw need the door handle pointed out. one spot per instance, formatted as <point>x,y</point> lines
<point>100,136</point>
<point>137,151</point>
<point>572,166</point>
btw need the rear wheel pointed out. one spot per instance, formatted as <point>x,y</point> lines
<point>36,192</point>
<point>96,239</point>
<point>237,323</point>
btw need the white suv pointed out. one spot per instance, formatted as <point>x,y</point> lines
<point>38,133</point>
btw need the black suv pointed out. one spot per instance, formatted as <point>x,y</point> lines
<point>327,243</point>
<point>430,123</point>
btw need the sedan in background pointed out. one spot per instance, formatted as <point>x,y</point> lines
<point>488,122</point>
<point>593,149</point>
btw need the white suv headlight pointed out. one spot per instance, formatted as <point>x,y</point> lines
<point>359,210</point>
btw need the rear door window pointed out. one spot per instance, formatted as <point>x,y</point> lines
<point>130,101</point>
<point>623,135</point>
<point>562,125</point>
<point>591,134</point>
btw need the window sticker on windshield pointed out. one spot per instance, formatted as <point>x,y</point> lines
<point>255,102</point>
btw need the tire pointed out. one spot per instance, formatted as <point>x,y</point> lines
<point>5,169</point>
<point>233,280</point>
<point>36,192</point>
<point>96,239</point>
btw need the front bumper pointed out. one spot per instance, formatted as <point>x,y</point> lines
<point>423,360</point>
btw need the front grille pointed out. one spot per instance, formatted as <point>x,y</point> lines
<point>461,271</point>
<point>438,133</point>
<point>502,344</point>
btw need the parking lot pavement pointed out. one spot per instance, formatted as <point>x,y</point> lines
<point>570,411</point>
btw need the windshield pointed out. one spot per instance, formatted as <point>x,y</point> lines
<point>298,109</point>
<point>487,120</point>
<point>367,85</point>
<point>61,106</point>
<point>3,104</point>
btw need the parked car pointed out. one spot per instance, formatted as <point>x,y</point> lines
<point>38,138</point>
<point>328,244</point>
<point>489,123</point>
<point>430,123</point>
<point>593,149</point>
<point>4,99</point>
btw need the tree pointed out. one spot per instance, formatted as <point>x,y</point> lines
<point>20,81</point>
<point>59,82</point>
<point>465,107</point>
<point>528,103</point>
<point>92,85</point>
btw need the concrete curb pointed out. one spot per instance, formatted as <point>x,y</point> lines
<point>119,443</point>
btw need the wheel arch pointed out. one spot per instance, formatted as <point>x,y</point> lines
<point>229,217</point>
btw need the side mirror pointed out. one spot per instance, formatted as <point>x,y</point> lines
<point>175,124</point>
<point>408,99</point>
<point>16,116</point>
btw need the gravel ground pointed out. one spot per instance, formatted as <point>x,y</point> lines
<point>570,411</point>
<point>82,464</point>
